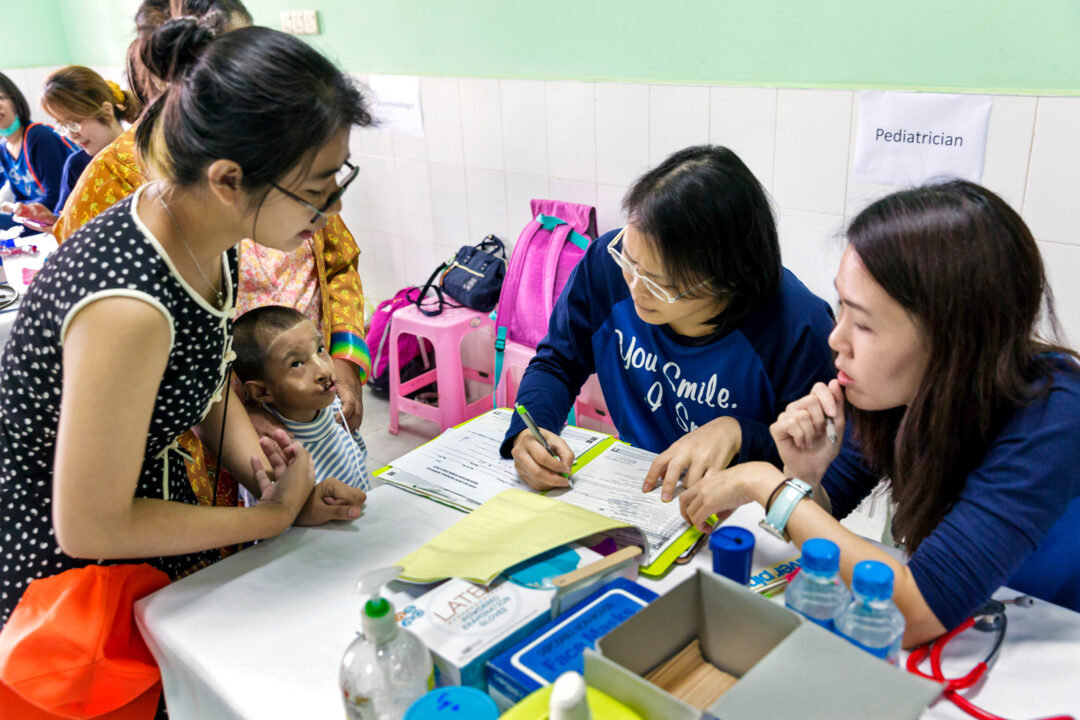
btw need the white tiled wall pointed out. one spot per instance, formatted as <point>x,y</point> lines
<point>491,145</point>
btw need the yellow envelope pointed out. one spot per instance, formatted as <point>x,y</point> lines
<point>513,526</point>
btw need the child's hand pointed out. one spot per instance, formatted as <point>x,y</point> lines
<point>331,500</point>
<point>292,473</point>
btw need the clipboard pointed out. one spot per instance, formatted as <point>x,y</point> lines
<point>430,486</point>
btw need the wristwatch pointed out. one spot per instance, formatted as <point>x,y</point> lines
<point>793,492</point>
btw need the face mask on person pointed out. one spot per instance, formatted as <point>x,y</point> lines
<point>11,129</point>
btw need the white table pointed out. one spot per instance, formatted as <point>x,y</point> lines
<point>13,267</point>
<point>260,634</point>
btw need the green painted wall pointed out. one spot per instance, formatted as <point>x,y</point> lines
<point>98,31</point>
<point>33,34</point>
<point>987,45</point>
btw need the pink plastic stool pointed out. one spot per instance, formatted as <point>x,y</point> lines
<point>590,406</point>
<point>446,332</point>
<point>589,403</point>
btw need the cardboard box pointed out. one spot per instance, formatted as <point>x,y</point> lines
<point>557,646</point>
<point>787,666</point>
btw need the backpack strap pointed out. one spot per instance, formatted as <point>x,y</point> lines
<point>500,348</point>
<point>505,309</point>
<point>550,222</point>
<point>562,232</point>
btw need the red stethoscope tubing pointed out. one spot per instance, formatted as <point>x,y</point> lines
<point>954,685</point>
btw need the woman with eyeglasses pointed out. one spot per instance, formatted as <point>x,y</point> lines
<point>697,333</point>
<point>88,110</point>
<point>32,155</point>
<point>319,278</point>
<point>123,340</point>
<point>945,384</point>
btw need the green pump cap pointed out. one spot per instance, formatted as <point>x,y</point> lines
<point>376,607</point>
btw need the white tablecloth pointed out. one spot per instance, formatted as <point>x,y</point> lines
<point>260,634</point>
<point>13,267</point>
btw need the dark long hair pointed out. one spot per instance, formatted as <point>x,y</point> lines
<point>709,219</point>
<point>22,108</point>
<point>966,268</point>
<point>258,97</point>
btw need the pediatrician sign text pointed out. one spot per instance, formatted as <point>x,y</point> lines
<point>907,139</point>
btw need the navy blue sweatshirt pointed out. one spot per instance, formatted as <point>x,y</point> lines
<point>35,175</point>
<point>1017,521</point>
<point>659,385</point>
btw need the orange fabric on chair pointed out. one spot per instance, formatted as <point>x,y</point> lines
<point>71,648</point>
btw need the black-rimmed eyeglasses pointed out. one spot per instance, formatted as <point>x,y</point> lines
<point>332,198</point>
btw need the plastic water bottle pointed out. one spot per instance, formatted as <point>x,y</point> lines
<point>817,590</point>
<point>386,669</point>
<point>872,621</point>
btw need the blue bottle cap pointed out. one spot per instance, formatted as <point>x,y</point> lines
<point>446,703</point>
<point>873,580</point>
<point>820,556</point>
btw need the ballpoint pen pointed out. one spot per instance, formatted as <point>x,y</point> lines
<point>531,424</point>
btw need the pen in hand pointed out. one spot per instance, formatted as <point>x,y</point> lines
<point>531,424</point>
<point>830,430</point>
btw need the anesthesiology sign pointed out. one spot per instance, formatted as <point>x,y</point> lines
<point>907,139</point>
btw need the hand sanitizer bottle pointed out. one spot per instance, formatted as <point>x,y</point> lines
<point>386,668</point>
<point>568,700</point>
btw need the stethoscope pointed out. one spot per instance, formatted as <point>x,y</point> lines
<point>990,617</point>
<point>8,296</point>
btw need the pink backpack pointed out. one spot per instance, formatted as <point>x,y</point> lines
<point>544,256</point>
<point>378,337</point>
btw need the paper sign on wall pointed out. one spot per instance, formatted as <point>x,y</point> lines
<point>396,105</point>
<point>907,139</point>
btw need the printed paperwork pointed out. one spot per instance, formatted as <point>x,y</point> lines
<point>610,485</point>
<point>462,468</point>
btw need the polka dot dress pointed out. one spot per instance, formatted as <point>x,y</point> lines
<point>113,255</point>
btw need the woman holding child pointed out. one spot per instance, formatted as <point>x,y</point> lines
<point>319,278</point>
<point>123,340</point>
<point>943,386</point>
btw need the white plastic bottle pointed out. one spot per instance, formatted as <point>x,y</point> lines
<point>386,668</point>
<point>872,621</point>
<point>817,590</point>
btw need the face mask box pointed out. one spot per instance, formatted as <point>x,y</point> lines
<point>465,624</point>
<point>557,646</point>
<point>786,666</point>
